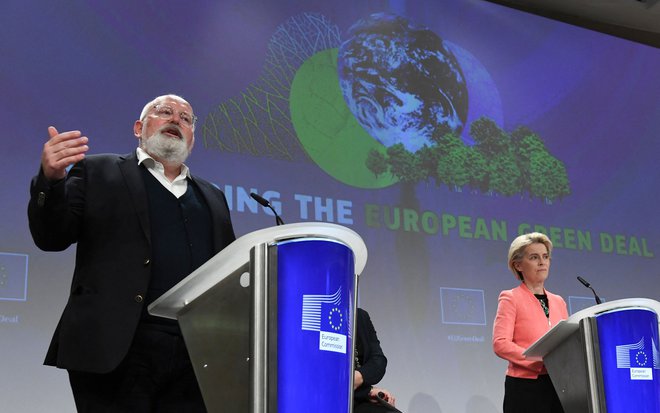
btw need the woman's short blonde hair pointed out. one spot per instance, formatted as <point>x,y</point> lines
<point>517,248</point>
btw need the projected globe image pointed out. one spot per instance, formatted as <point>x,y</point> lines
<point>389,83</point>
<point>401,82</point>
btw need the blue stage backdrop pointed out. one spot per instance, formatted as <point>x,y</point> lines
<point>436,129</point>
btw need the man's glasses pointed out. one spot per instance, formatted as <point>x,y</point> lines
<point>167,112</point>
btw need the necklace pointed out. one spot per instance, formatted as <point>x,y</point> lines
<point>544,306</point>
<point>546,310</point>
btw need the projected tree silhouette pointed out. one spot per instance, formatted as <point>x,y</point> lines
<point>497,163</point>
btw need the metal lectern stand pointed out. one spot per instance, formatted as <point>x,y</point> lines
<point>269,321</point>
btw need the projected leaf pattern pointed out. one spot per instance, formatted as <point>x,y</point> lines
<point>258,121</point>
<point>498,163</point>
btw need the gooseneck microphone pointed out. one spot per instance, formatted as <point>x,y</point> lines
<point>263,202</point>
<point>586,284</point>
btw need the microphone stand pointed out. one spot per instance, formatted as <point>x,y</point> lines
<point>586,284</point>
<point>263,202</point>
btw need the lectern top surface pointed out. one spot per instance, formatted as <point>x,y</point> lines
<point>237,254</point>
<point>565,328</point>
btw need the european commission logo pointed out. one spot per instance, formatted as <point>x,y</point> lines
<point>323,313</point>
<point>638,359</point>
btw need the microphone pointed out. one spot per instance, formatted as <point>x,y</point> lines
<point>586,284</point>
<point>380,398</point>
<point>263,202</point>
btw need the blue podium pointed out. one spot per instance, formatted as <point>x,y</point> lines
<point>269,321</point>
<point>605,358</point>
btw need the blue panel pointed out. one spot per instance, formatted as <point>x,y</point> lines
<point>630,362</point>
<point>13,276</point>
<point>463,306</point>
<point>315,292</point>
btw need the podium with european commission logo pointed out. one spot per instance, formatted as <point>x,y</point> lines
<point>269,320</point>
<point>605,358</point>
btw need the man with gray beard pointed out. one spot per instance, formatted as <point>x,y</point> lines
<point>141,222</point>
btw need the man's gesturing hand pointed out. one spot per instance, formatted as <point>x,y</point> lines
<point>61,151</point>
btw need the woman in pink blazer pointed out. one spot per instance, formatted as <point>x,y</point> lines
<point>524,314</point>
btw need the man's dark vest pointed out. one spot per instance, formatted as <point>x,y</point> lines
<point>181,236</point>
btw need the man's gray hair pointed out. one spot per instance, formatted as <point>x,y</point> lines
<point>155,101</point>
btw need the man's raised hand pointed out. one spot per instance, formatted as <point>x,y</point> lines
<point>61,151</point>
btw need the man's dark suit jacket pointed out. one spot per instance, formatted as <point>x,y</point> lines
<point>374,361</point>
<point>102,206</point>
